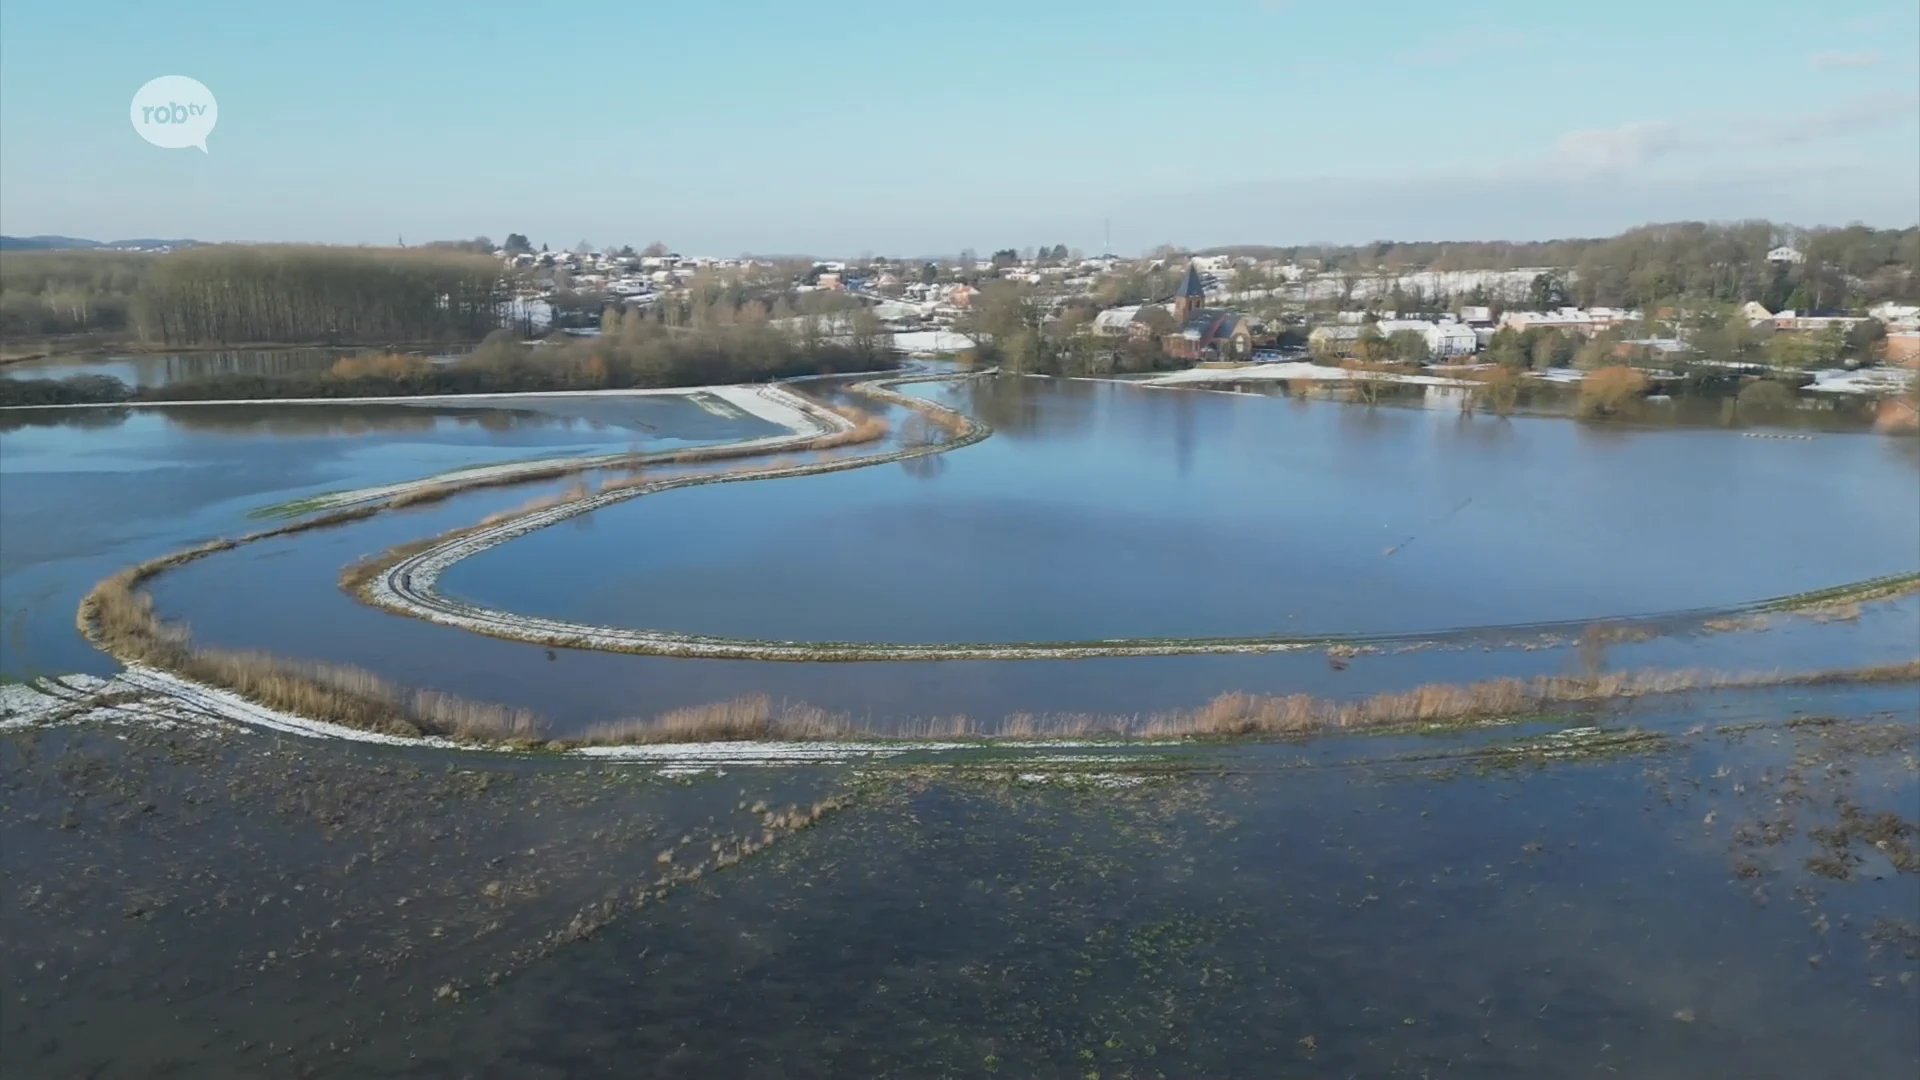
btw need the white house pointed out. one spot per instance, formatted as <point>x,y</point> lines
<point>1445,339</point>
<point>1452,339</point>
<point>1569,320</point>
<point>1785,254</point>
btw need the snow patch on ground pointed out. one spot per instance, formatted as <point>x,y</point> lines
<point>1877,380</point>
<point>775,404</point>
<point>931,342</point>
<point>157,699</point>
<point>1287,371</point>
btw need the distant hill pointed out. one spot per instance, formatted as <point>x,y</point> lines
<point>71,243</point>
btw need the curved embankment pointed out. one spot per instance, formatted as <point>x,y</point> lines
<point>407,585</point>
<point>802,420</point>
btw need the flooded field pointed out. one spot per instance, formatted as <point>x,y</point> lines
<point>90,490</point>
<point>1719,882</point>
<point>162,368</point>
<point>1104,511</point>
<point>1723,887</point>
<point>159,369</point>
<point>1227,517</point>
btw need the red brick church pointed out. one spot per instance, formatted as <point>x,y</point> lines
<point>1204,333</point>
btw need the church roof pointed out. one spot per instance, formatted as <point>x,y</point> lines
<point>1191,286</point>
<point>1210,324</point>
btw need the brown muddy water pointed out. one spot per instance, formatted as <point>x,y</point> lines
<point>1724,886</point>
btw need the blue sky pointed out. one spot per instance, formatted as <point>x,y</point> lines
<point>723,127</point>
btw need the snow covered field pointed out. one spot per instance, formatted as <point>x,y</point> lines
<point>1289,371</point>
<point>931,342</point>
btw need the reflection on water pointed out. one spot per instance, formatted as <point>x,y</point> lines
<point>1114,511</point>
<point>86,491</point>
<point>159,369</point>
<point>1703,408</point>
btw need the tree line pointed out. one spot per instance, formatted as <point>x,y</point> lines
<point>1842,268</point>
<point>233,293</point>
<point>43,293</point>
<point>703,340</point>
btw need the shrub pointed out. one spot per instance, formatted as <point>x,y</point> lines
<point>1608,390</point>
<point>1765,397</point>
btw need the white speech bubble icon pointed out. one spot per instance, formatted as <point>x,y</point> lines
<point>175,112</point>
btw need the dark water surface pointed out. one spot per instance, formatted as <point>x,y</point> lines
<point>1723,887</point>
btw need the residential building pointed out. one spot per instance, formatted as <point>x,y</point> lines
<point>1336,339</point>
<point>1450,339</point>
<point>1444,340</point>
<point>1785,253</point>
<point>1568,320</point>
<point>1791,322</point>
<point>1136,322</point>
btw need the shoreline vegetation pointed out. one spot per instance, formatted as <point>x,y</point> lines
<point>502,364</point>
<point>716,333</point>
<point>118,617</point>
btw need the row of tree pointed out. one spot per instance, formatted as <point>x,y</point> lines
<point>43,293</point>
<point>1725,261</point>
<point>704,340</point>
<point>231,293</point>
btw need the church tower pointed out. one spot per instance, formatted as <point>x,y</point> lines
<point>1191,297</point>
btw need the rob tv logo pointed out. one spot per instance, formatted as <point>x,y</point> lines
<point>174,112</point>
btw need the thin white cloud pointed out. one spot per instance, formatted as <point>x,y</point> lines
<point>1842,61</point>
<point>1848,117</point>
<point>1603,151</point>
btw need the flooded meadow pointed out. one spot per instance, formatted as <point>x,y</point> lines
<point>1723,881</point>
<point>1722,887</point>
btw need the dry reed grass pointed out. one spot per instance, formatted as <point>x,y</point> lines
<point>866,428</point>
<point>119,617</point>
<point>1235,714</point>
<point>380,365</point>
<point>751,717</point>
<point>574,492</point>
<point>1449,703</point>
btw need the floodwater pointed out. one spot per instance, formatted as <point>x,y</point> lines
<point>1715,884</point>
<point>791,567</point>
<point>159,369</point>
<point>86,491</point>
<point>1102,511</point>
<point>1727,886</point>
